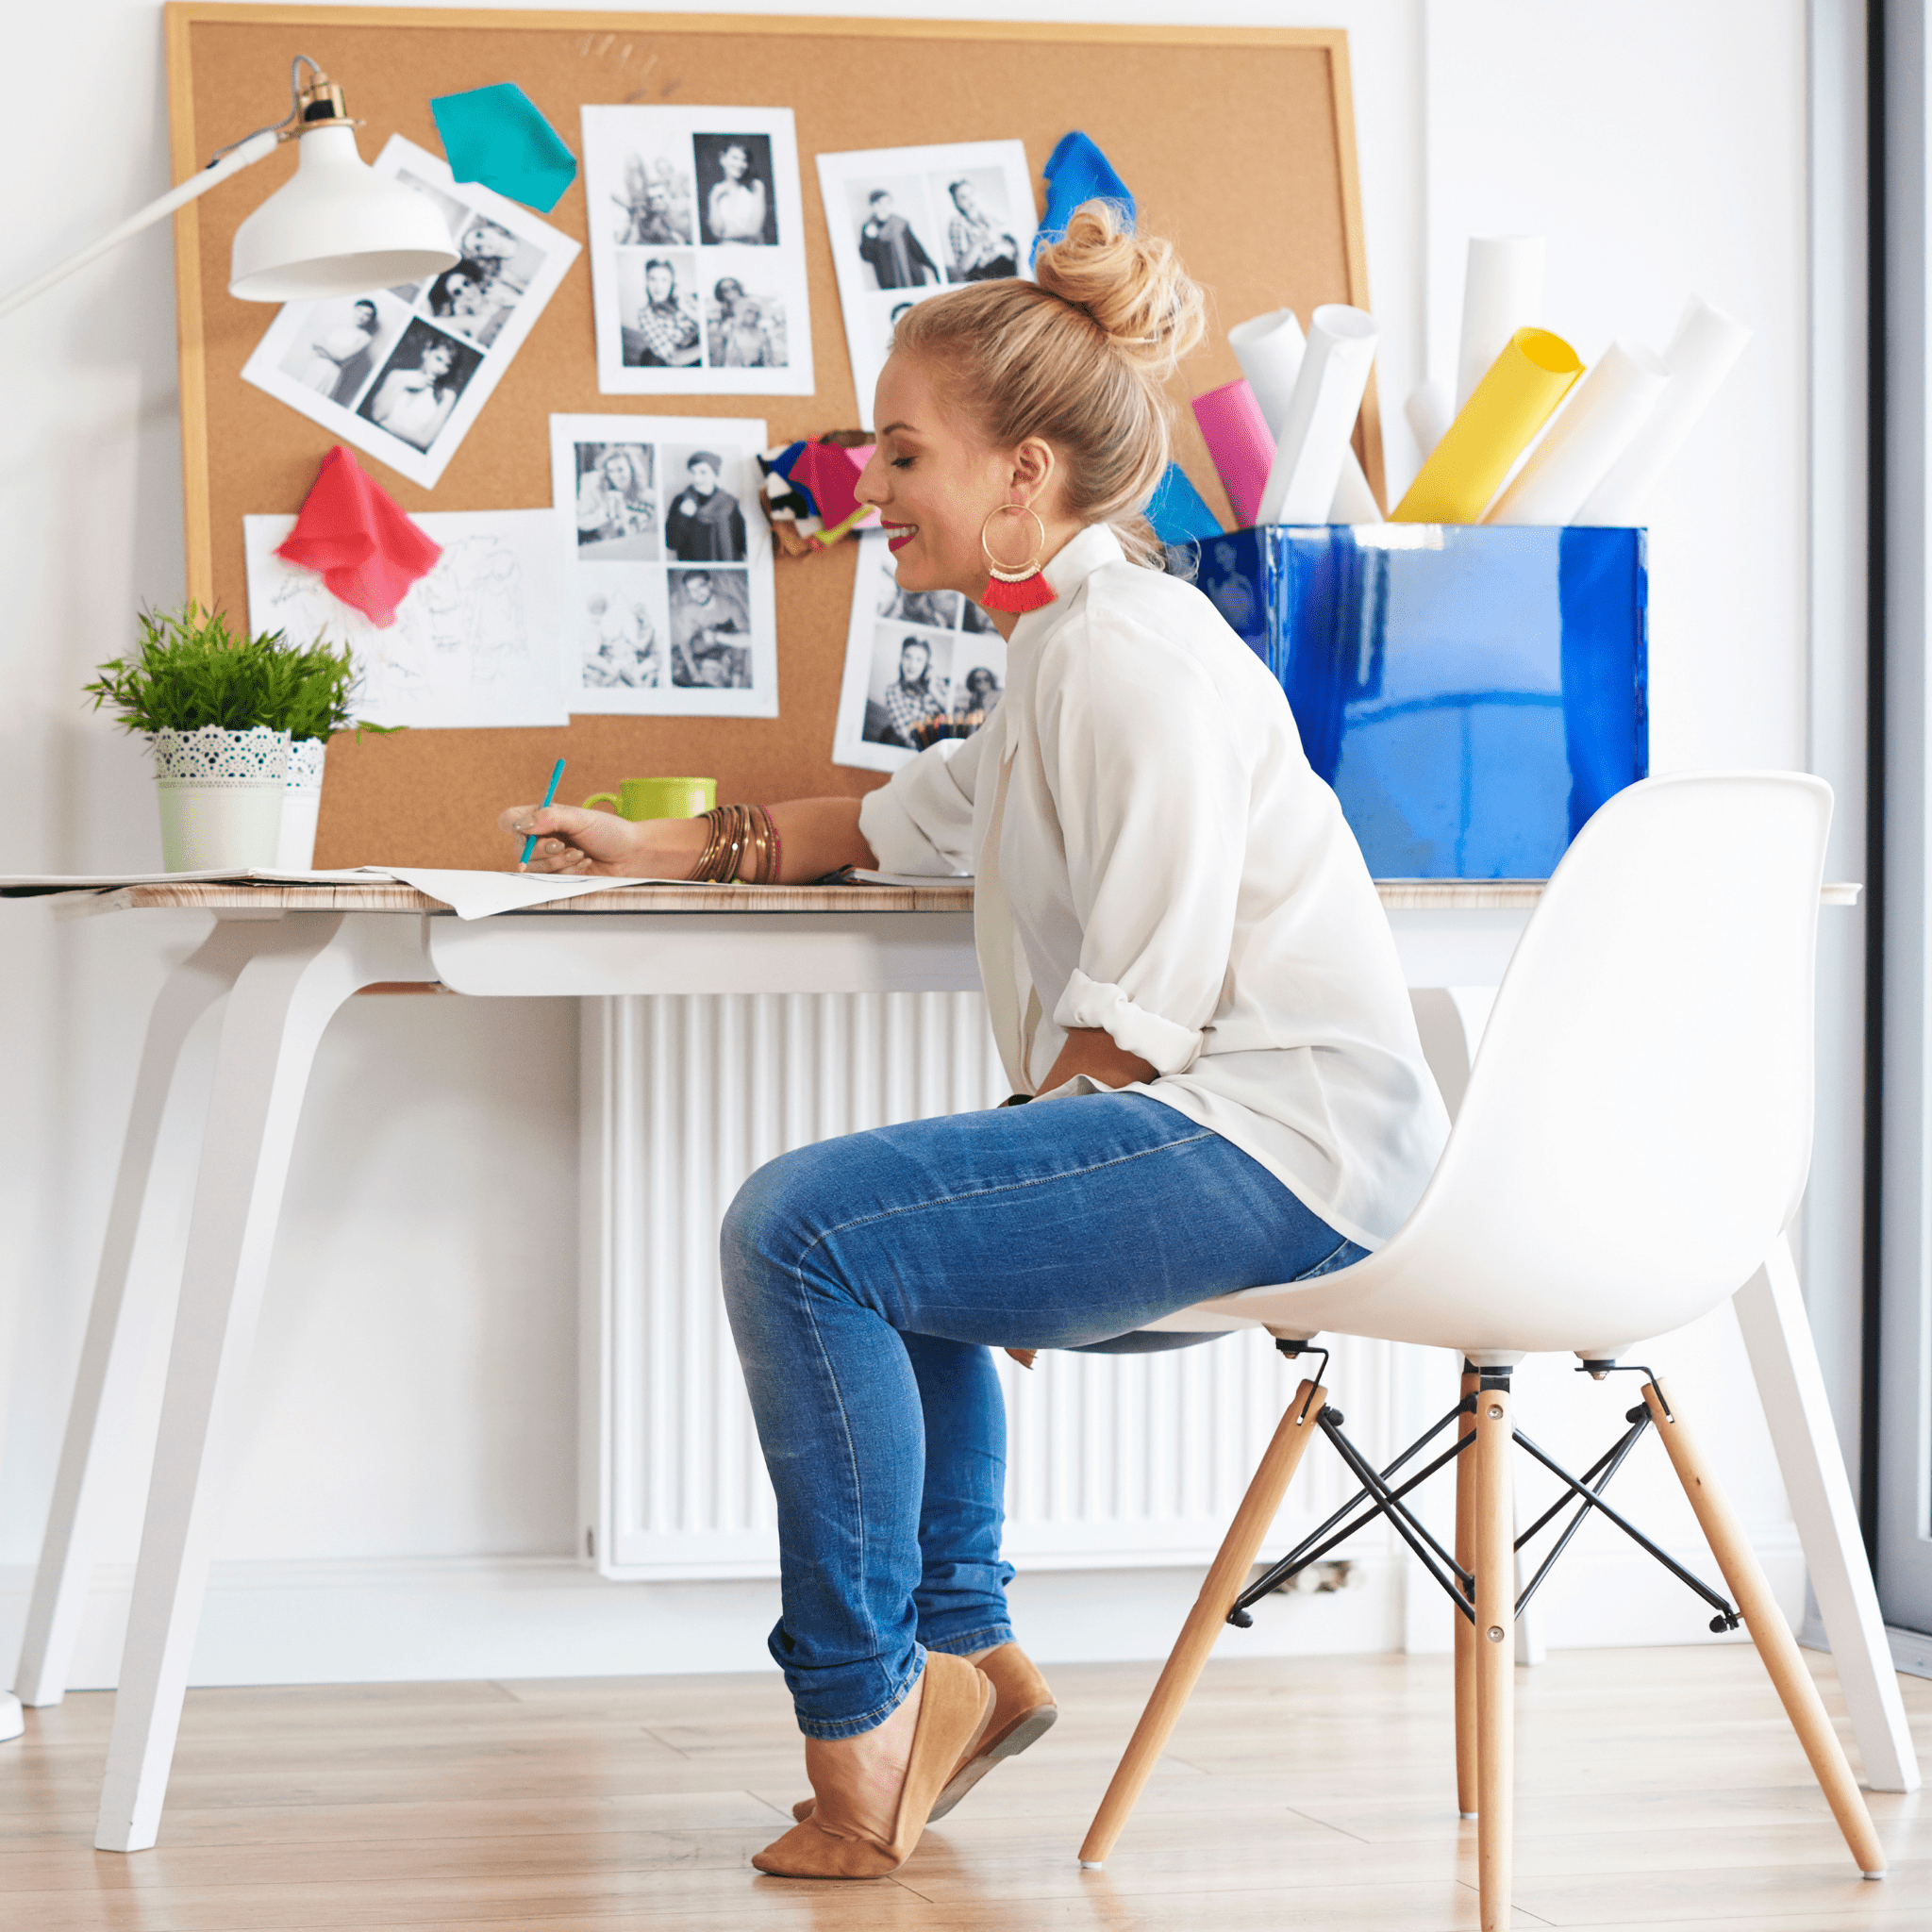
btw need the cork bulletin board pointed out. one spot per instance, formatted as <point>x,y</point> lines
<point>1238,145</point>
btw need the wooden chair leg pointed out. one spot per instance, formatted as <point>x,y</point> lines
<point>1495,1648</point>
<point>1749,1590</point>
<point>1465,1630</point>
<point>1205,1621</point>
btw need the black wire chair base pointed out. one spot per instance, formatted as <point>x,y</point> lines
<point>1379,1495</point>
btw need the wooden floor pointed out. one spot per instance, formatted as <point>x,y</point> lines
<point>1657,1788</point>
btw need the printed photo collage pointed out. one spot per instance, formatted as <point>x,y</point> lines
<point>920,666</point>
<point>697,251</point>
<point>402,373</point>
<point>670,605</point>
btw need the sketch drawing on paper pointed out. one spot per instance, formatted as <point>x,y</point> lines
<point>473,642</point>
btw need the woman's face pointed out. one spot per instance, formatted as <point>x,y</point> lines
<point>365,316</point>
<point>935,482</point>
<point>465,296</point>
<point>438,358</point>
<point>913,658</point>
<point>658,284</point>
<point>734,161</point>
<point>617,470</point>
<point>704,480</point>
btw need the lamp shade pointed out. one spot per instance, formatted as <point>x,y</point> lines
<point>337,228</point>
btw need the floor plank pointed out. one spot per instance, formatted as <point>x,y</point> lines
<point>1658,1791</point>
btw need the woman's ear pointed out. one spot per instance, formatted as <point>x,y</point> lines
<point>1032,471</point>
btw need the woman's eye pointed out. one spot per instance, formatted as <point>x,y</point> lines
<point>902,462</point>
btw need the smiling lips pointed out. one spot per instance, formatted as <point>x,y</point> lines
<point>899,535</point>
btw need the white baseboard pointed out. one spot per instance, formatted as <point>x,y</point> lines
<point>423,1620</point>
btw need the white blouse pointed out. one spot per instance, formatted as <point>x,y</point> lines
<point>1154,857</point>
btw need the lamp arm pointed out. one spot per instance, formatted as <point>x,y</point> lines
<point>245,153</point>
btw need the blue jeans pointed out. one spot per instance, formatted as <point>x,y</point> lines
<point>867,1278</point>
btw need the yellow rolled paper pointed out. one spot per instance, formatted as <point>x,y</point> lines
<point>1505,410</point>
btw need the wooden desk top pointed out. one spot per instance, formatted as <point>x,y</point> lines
<point>948,895</point>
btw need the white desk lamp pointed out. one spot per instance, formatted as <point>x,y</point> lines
<point>335,228</point>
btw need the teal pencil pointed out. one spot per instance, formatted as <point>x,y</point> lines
<point>549,799</point>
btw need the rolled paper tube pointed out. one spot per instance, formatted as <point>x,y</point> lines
<point>1590,431</point>
<point>1501,292</point>
<point>1321,416</point>
<point>1270,349</point>
<point>1237,437</point>
<point>1511,402</point>
<point>1429,416</point>
<point>1699,355</point>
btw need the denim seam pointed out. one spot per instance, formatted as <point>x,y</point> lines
<point>983,1639</point>
<point>1324,1265</point>
<point>1005,1188</point>
<point>851,1454</point>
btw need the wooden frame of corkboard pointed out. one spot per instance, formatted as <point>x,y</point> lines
<point>1239,144</point>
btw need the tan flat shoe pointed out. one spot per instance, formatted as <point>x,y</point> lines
<point>955,1707</point>
<point>1024,1714</point>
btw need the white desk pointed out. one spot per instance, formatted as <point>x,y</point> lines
<point>284,959</point>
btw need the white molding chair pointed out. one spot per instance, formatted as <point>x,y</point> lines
<point>1633,1142</point>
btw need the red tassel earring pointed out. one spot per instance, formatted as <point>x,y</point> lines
<point>1023,588</point>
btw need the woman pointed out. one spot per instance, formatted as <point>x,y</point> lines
<point>1187,967</point>
<point>414,404</point>
<point>910,699</point>
<point>705,525</point>
<point>740,338</point>
<point>343,355</point>
<point>612,500</point>
<point>735,209</point>
<point>667,328</point>
<point>978,696</point>
<point>978,253</point>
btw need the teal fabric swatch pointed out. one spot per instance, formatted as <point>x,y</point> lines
<point>495,135</point>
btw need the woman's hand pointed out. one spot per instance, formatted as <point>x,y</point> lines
<point>570,839</point>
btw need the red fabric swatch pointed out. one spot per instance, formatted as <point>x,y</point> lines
<point>831,474</point>
<point>364,545</point>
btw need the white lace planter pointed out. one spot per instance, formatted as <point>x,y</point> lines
<point>221,796</point>
<point>301,803</point>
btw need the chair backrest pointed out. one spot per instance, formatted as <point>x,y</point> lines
<point>1637,1124</point>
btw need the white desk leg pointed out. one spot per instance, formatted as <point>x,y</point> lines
<point>137,1273</point>
<point>303,967</point>
<point>1777,1337</point>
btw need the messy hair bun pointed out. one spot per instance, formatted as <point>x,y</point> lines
<point>1079,356</point>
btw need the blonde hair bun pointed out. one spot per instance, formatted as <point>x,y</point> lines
<point>1133,286</point>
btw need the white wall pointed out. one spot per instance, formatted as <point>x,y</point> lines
<point>411,1447</point>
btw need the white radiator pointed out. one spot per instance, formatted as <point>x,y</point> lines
<point>1112,1460</point>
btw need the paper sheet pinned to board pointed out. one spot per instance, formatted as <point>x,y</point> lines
<point>475,643</point>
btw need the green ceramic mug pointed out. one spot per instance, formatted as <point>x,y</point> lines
<point>660,798</point>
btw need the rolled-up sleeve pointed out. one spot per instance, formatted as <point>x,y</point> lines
<point>1153,801</point>
<point>921,820</point>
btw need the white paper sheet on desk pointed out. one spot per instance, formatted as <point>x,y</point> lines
<point>859,876</point>
<point>476,642</point>
<point>481,894</point>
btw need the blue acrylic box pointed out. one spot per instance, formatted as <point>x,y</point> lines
<point>1472,693</point>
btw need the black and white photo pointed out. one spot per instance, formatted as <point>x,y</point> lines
<point>920,666</point>
<point>906,223</point>
<point>704,521</point>
<point>710,629</point>
<point>734,174</point>
<point>617,503</point>
<point>979,238</point>
<point>418,387</point>
<point>671,602</point>
<point>698,276</point>
<point>402,373</point>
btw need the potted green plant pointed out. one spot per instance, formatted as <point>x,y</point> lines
<point>239,724</point>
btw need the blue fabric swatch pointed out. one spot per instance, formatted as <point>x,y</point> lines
<point>1176,511</point>
<point>1076,171</point>
<point>495,135</point>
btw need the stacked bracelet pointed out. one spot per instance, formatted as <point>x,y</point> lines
<point>738,832</point>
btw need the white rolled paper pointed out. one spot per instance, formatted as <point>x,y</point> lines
<point>1327,397</point>
<point>1699,355</point>
<point>1430,413</point>
<point>1605,411</point>
<point>1501,292</point>
<point>1270,349</point>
